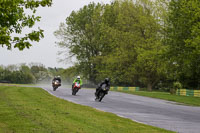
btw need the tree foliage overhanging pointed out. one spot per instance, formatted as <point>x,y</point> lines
<point>141,43</point>
<point>13,19</point>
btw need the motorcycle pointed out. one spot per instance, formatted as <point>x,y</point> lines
<point>55,85</point>
<point>101,93</point>
<point>75,88</point>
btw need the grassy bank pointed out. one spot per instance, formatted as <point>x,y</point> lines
<point>187,100</point>
<point>25,110</point>
<point>11,84</point>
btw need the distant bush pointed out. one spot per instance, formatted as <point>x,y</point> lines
<point>176,85</point>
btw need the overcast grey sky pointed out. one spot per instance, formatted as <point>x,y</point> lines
<point>45,51</point>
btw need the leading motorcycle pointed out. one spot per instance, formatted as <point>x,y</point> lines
<point>55,84</point>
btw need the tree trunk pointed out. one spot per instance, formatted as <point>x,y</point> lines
<point>149,87</point>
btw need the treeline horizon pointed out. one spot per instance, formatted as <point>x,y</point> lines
<point>37,73</point>
<point>28,73</point>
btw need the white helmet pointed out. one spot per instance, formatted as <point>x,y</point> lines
<point>78,77</point>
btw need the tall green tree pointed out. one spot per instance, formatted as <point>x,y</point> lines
<point>13,19</point>
<point>81,36</point>
<point>136,37</point>
<point>121,40</point>
<point>183,39</point>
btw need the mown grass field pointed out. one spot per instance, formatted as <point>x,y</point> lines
<point>26,109</point>
<point>186,100</point>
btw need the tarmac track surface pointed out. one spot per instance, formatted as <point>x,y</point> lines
<point>150,111</point>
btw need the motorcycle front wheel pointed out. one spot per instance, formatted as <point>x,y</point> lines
<point>101,95</point>
<point>74,91</point>
<point>54,88</point>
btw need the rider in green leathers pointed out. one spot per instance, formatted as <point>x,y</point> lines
<point>78,79</point>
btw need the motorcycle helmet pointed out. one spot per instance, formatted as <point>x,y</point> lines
<point>58,76</point>
<point>78,77</point>
<point>107,80</point>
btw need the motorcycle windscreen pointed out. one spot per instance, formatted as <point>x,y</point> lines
<point>104,87</point>
<point>77,85</point>
<point>56,82</point>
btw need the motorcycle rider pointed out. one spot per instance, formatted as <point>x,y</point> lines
<point>107,82</point>
<point>77,79</point>
<point>56,78</point>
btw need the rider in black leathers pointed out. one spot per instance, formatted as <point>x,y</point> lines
<point>56,78</point>
<point>107,82</point>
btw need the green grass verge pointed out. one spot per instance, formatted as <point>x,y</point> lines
<point>186,100</point>
<point>26,109</point>
<point>11,84</point>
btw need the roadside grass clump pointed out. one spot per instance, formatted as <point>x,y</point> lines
<point>30,109</point>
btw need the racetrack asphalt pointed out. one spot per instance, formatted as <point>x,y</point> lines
<point>150,111</point>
